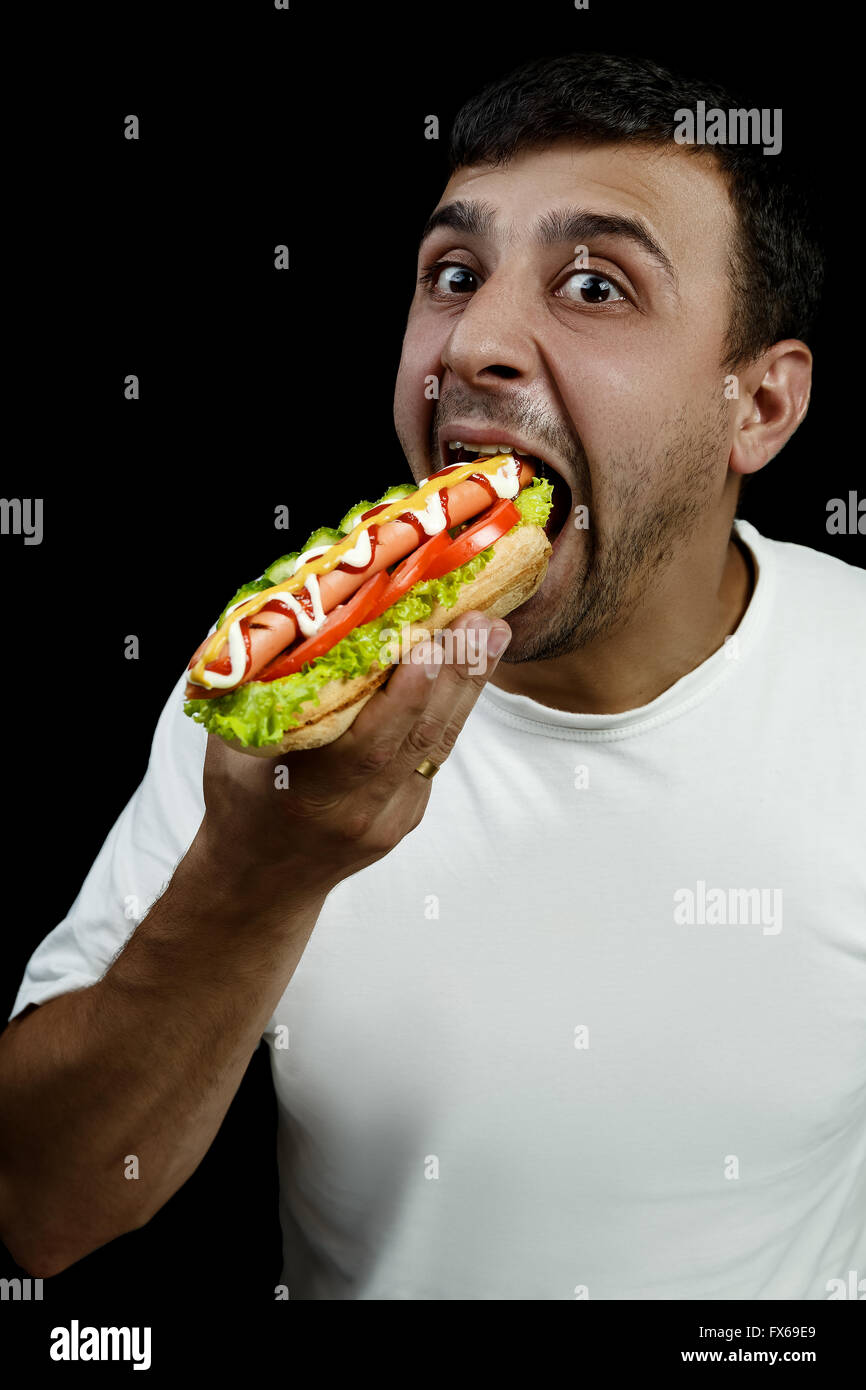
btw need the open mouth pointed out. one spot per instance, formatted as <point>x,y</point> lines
<point>562,495</point>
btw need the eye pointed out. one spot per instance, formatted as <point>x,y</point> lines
<point>589,287</point>
<point>449,279</point>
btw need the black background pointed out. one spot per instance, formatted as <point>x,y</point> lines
<point>259,387</point>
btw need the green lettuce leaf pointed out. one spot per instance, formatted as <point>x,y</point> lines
<point>534,502</point>
<point>259,713</point>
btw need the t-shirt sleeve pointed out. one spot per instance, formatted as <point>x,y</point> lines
<point>135,864</point>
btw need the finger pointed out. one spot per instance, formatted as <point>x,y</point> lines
<point>470,657</point>
<point>374,737</point>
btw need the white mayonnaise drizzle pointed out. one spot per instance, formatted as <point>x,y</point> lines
<point>238,657</point>
<point>361,553</point>
<point>306,624</point>
<point>431,517</point>
<point>505,481</point>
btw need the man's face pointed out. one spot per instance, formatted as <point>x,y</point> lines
<point>610,372</point>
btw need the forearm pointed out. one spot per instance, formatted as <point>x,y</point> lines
<point>144,1063</point>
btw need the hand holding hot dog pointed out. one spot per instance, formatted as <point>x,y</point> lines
<point>307,820</point>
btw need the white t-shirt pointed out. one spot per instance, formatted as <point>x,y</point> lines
<point>553,1045</point>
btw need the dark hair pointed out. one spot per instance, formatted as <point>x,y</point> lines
<point>776,265</point>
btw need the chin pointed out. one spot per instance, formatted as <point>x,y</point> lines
<point>540,622</point>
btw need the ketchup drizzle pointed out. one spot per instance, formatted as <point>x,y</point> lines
<point>483,480</point>
<point>419,525</point>
<point>275,605</point>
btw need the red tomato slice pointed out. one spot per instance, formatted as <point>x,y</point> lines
<point>338,625</point>
<point>489,528</point>
<point>409,572</point>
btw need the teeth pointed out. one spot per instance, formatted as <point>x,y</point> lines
<point>487,449</point>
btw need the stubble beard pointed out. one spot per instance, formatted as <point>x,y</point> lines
<point>656,505</point>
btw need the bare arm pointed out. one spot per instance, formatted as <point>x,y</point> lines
<point>146,1062</point>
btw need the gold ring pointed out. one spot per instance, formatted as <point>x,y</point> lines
<point>428,769</point>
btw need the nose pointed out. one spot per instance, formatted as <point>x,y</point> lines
<point>491,339</point>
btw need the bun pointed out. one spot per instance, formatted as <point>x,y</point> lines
<point>511,576</point>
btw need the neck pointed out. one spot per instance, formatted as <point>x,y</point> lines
<point>699,601</point>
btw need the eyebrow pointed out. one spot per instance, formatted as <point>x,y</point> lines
<point>577,226</point>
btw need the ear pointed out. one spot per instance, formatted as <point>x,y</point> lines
<point>774,397</point>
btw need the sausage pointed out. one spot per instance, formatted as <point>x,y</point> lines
<point>272,632</point>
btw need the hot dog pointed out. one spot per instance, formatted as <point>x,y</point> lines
<point>267,678</point>
<point>271,631</point>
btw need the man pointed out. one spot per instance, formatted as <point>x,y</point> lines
<point>586,1018</point>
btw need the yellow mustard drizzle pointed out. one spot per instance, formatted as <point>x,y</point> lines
<point>331,558</point>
